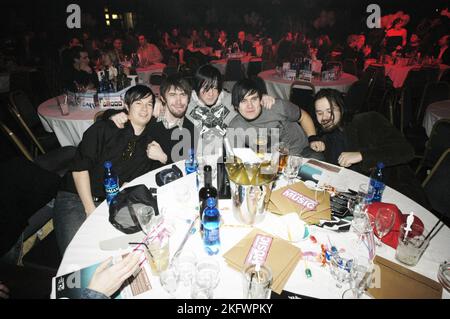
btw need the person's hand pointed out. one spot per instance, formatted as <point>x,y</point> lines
<point>107,279</point>
<point>4,291</point>
<point>155,152</point>
<point>317,146</point>
<point>119,119</point>
<point>347,159</point>
<point>158,108</point>
<point>267,101</point>
<point>85,68</point>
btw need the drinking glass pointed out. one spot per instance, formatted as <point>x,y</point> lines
<point>257,282</point>
<point>384,221</point>
<point>206,279</point>
<point>144,215</point>
<point>283,152</point>
<point>411,244</point>
<point>360,278</point>
<point>292,166</point>
<point>340,267</point>
<point>185,264</point>
<point>169,279</point>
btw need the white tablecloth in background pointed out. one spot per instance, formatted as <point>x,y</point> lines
<point>144,73</point>
<point>84,249</point>
<point>435,112</point>
<point>68,129</point>
<point>280,88</point>
<point>399,73</point>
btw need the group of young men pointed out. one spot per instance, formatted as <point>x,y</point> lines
<point>152,133</point>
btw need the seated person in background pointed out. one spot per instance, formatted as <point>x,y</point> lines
<point>413,47</point>
<point>441,52</point>
<point>244,46</point>
<point>79,76</point>
<point>174,132</point>
<point>131,150</point>
<point>148,53</point>
<point>293,125</point>
<point>359,143</point>
<point>357,50</point>
<point>396,36</point>
<point>285,49</point>
<point>118,54</point>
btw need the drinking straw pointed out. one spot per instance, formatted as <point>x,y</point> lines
<point>429,234</point>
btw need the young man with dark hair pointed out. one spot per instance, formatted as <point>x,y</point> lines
<point>175,133</point>
<point>291,124</point>
<point>132,151</point>
<point>79,76</point>
<point>359,142</point>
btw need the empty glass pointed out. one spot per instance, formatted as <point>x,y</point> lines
<point>169,279</point>
<point>185,264</point>
<point>411,245</point>
<point>206,279</point>
<point>340,267</point>
<point>292,166</point>
<point>257,282</point>
<point>360,278</point>
<point>144,215</point>
<point>384,221</point>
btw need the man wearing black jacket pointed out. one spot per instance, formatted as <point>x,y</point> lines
<point>359,142</point>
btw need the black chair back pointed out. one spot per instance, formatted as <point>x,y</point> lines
<point>356,97</point>
<point>412,92</point>
<point>349,66</point>
<point>302,94</point>
<point>254,68</point>
<point>233,70</point>
<point>439,141</point>
<point>434,92</point>
<point>20,101</point>
<point>437,185</point>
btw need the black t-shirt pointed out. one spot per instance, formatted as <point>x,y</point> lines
<point>103,141</point>
<point>164,137</point>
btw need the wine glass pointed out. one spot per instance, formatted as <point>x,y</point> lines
<point>340,267</point>
<point>144,215</point>
<point>292,166</point>
<point>360,278</point>
<point>384,221</point>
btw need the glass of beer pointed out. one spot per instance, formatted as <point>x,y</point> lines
<point>284,153</point>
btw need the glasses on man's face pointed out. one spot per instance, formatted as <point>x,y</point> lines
<point>129,151</point>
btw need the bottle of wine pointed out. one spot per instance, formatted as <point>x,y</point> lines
<point>206,191</point>
<point>223,182</point>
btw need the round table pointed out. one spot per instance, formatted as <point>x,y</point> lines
<point>144,73</point>
<point>398,73</point>
<point>435,111</point>
<point>280,87</point>
<point>222,63</point>
<point>69,128</point>
<point>84,250</point>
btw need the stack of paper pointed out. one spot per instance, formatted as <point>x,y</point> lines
<point>259,247</point>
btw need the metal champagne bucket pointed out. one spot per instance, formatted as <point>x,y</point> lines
<point>250,201</point>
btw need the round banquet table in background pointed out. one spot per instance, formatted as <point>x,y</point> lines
<point>280,88</point>
<point>69,128</point>
<point>398,73</point>
<point>222,64</point>
<point>144,73</point>
<point>178,201</point>
<point>436,111</point>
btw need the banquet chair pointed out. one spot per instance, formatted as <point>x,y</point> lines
<point>435,186</point>
<point>26,115</point>
<point>254,67</point>
<point>268,65</point>
<point>432,73</point>
<point>169,70</point>
<point>156,78</point>
<point>233,70</point>
<point>349,66</point>
<point>387,106</point>
<point>438,142</point>
<point>433,92</point>
<point>56,161</point>
<point>356,97</point>
<point>302,94</point>
<point>445,76</point>
<point>375,77</point>
<point>332,64</point>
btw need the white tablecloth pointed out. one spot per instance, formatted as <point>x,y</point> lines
<point>435,112</point>
<point>280,87</point>
<point>398,73</point>
<point>222,64</point>
<point>144,73</point>
<point>84,249</point>
<point>69,129</point>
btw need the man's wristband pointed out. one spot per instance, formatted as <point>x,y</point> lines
<point>313,138</point>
